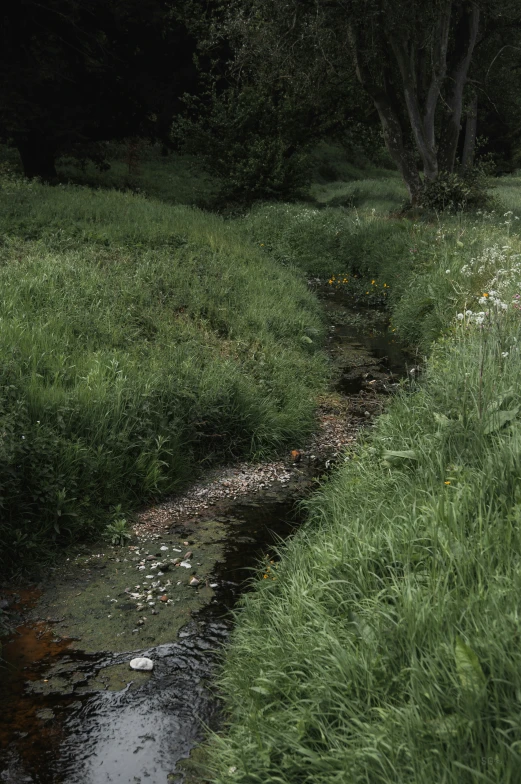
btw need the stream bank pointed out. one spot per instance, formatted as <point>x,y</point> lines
<point>73,711</point>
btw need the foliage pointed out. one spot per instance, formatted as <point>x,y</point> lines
<point>139,342</point>
<point>330,241</point>
<point>457,191</point>
<point>412,63</point>
<point>117,532</point>
<point>386,648</point>
<point>253,141</point>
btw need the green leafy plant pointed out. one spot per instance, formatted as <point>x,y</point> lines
<point>117,531</point>
<point>454,192</point>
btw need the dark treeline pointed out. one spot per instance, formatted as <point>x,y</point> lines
<point>249,85</point>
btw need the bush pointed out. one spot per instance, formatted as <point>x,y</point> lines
<point>252,142</point>
<point>455,192</point>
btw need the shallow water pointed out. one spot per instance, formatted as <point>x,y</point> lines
<point>101,722</point>
<point>71,717</point>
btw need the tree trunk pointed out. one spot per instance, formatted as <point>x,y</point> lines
<point>469,146</point>
<point>38,157</point>
<point>387,106</point>
<point>466,37</point>
<point>401,154</point>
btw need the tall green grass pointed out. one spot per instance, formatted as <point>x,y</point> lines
<point>384,644</point>
<point>138,341</point>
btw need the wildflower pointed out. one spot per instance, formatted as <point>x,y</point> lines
<point>385,285</point>
<point>485,294</point>
<point>372,283</point>
<point>446,483</point>
<point>447,272</point>
<point>262,244</point>
<point>460,316</point>
<point>504,354</point>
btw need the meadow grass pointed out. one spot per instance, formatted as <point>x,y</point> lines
<point>174,179</point>
<point>383,645</point>
<point>139,342</point>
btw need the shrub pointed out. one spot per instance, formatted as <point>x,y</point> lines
<point>457,191</point>
<point>252,142</point>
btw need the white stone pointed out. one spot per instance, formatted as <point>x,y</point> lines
<point>142,663</point>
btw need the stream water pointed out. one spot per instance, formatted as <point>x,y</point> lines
<point>72,712</point>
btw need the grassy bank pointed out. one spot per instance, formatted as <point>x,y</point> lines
<point>384,645</point>
<point>139,341</point>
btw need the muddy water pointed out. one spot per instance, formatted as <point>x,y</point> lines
<point>72,711</point>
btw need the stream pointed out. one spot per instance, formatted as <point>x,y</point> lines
<point>71,708</point>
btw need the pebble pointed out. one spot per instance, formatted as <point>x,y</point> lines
<point>194,582</point>
<point>142,663</point>
<point>164,598</point>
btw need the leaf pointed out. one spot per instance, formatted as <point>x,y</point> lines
<point>392,457</point>
<point>472,677</point>
<point>306,339</point>
<point>441,419</point>
<point>497,419</point>
<point>259,690</point>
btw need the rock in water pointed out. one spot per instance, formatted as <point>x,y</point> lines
<point>142,663</point>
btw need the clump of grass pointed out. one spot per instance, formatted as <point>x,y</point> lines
<point>330,241</point>
<point>139,341</point>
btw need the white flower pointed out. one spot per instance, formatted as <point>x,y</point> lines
<point>460,316</point>
<point>447,272</point>
<point>504,353</point>
<point>468,313</point>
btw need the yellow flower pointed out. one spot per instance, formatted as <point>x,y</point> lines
<point>265,576</point>
<point>485,294</point>
<point>262,244</point>
<point>372,283</point>
<point>446,483</point>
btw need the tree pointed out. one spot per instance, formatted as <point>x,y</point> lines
<point>88,70</point>
<point>412,59</point>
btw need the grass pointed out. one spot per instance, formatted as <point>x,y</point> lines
<point>139,342</point>
<point>384,644</point>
